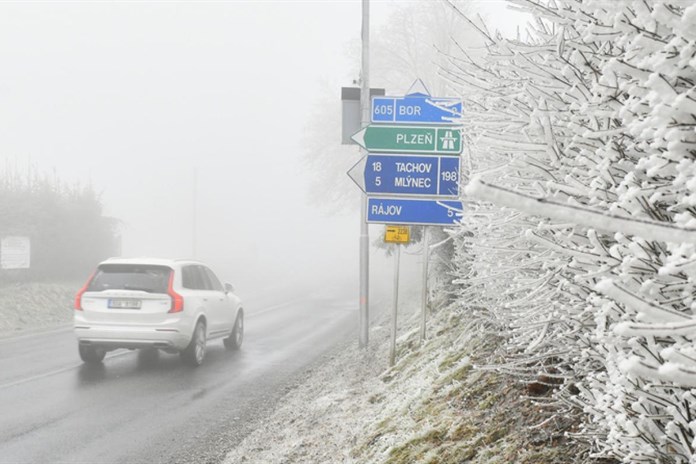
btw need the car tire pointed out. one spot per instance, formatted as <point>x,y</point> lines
<point>194,353</point>
<point>234,341</point>
<point>91,354</point>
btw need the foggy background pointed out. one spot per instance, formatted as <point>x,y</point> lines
<point>158,104</point>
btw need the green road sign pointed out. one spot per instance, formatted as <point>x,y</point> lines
<point>410,139</point>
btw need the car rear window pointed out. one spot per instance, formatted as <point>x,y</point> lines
<point>152,279</point>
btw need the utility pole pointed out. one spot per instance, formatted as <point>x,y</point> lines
<point>364,231</point>
<point>194,222</point>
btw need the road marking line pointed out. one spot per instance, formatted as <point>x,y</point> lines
<point>269,309</point>
<point>10,337</point>
<point>58,371</point>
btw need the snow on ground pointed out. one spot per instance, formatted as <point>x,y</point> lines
<point>432,407</point>
<point>322,419</point>
<point>28,306</point>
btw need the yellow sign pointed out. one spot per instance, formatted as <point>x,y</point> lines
<point>396,234</point>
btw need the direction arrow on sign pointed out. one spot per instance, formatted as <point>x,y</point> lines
<point>410,139</point>
<point>407,175</point>
<point>411,211</point>
<point>416,108</point>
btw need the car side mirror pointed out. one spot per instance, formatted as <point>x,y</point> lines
<point>229,288</point>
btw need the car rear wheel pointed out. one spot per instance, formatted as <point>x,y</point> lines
<point>194,353</point>
<point>234,341</point>
<point>91,354</point>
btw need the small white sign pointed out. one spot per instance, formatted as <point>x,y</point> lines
<point>15,252</point>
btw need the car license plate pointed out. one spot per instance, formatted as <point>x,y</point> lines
<point>123,303</point>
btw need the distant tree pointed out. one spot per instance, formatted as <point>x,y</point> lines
<point>64,222</point>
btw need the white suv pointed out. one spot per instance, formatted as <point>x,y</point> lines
<point>151,304</point>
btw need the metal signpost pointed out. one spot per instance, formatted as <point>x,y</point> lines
<point>364,316</point>
<point>397,235</point>
<point>411,172</point>
<point>395,306</point>
<point>424,288</point>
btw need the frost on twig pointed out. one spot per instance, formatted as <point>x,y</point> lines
<point>578,214</point>
<point>579,238</point>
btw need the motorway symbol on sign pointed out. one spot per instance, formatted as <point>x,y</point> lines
<point>407,175</point>
<point>410,139</point>
<point>396,234</point>
<point>418,108</point>
<point>412,211</point>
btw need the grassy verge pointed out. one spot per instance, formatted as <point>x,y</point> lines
<point>439,408</point>
<point>437,405</point>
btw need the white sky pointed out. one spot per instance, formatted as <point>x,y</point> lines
<point>135,96</point>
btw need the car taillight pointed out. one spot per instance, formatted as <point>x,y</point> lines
<point>78,297</point>
<point>177,300</point>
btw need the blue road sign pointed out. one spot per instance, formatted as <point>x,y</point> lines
<point>413,212</point>
<point>417,108</point>
<point>412,175</point>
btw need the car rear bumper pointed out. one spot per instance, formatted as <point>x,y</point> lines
<point>113,336</point>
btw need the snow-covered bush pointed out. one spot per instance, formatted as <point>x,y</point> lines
<point>582,247</point>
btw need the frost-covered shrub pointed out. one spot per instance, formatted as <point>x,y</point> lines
<point>582,146</point>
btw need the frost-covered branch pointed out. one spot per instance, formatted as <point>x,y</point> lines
<point>586,127</point>
<point>581,215</point>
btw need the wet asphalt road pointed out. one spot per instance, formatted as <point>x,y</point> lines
<point>54,409</point>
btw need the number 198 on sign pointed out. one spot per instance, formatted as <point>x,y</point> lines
<point>449,176</point>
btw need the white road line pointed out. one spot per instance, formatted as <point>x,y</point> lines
<point>116,354</point>
<point>270,309</point>
<point>10,337</point>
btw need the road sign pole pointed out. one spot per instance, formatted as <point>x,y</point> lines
<point>194,221</point>
<point>364,334</point>
<point>424,300</point>
<point>364,276</point>
<point>392,347</point>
